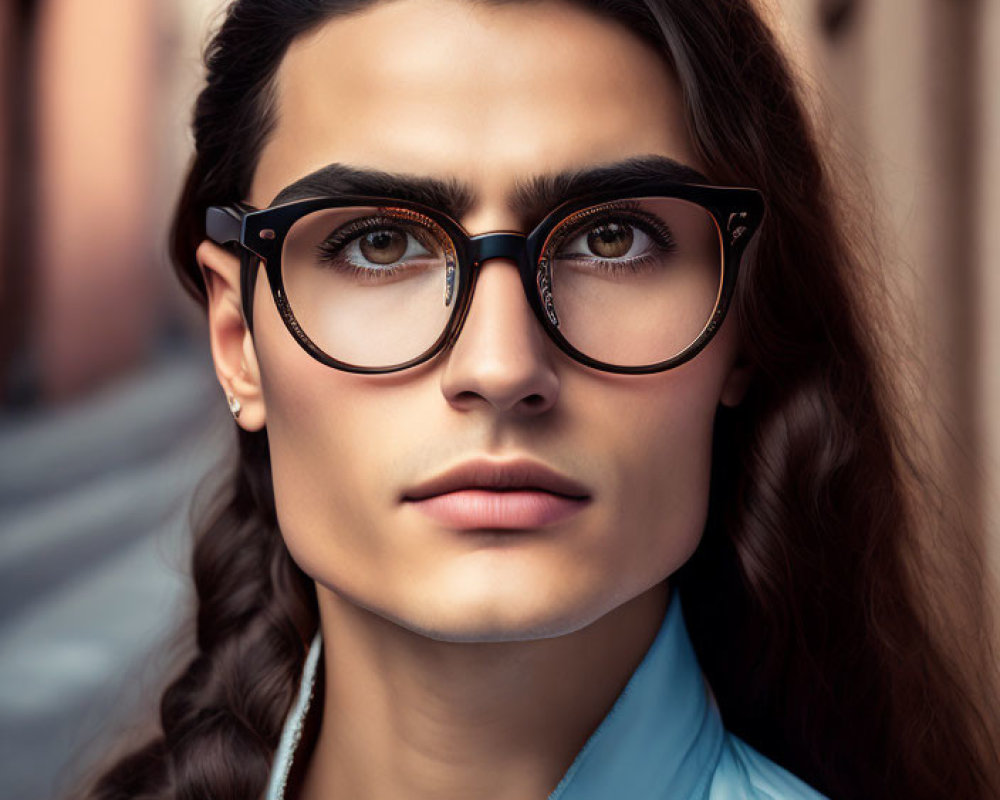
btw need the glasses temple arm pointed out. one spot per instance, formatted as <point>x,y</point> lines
<point>224,224</point>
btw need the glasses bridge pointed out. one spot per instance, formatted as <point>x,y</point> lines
<point>498,245</point>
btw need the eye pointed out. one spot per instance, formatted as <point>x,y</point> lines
<point>383,246</point>
<point>613,240</point>
<point>377,244</point>
<point>616,239</point>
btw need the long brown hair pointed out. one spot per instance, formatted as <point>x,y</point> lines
<point>810,619</point>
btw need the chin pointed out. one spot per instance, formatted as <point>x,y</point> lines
<point>498,617</point>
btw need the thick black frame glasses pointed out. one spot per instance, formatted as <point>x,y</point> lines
<point>261,235</point>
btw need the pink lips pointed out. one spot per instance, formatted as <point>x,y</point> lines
<point>482,508</point>
<point>499,495</point>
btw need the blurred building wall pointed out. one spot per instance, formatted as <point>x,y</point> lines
<point>6,68</point>
<point>95,312</point>
<point>97,96</point>
<point>986,257</point>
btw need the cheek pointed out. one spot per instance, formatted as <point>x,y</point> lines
<point>325,429</point>
<point>657,432</point>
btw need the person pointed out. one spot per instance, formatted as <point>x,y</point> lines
<point>568,463</point>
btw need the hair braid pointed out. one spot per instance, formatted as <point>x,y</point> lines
<point>221,719</point>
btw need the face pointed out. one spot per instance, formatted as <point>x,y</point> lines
<point>488,96</point>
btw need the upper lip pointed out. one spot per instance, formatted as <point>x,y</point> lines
<point>488,474</point>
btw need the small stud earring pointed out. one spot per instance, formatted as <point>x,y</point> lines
<point>234,406</point>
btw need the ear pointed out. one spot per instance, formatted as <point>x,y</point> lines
<point>232,345</point>
<point>737,383</point>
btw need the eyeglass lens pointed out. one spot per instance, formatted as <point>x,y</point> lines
<point>631,282</point>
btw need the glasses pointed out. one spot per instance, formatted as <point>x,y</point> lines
<point>632,282</point>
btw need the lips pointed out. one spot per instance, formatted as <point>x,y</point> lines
<point>499,476</point>
<point>512,495</point>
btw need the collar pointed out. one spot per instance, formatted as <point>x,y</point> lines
<point>663,736</point>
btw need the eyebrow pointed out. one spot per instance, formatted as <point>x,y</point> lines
<point>530,198</point>
<point>534,197</point>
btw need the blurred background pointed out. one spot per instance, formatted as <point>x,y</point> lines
<point>109,415</point>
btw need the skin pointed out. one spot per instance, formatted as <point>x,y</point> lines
<point>459,658</point>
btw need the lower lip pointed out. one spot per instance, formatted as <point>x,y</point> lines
<point>480,508</point>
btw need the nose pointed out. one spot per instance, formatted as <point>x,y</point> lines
<point>502,357</point>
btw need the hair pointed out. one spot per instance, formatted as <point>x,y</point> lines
<point>808,600</point>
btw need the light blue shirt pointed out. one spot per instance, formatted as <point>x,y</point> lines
<point>662,739</point>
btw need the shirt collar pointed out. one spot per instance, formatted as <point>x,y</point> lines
<point>662,737</point>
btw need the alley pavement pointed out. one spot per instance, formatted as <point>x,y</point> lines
<point>95,501</point>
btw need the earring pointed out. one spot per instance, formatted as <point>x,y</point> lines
<point>234,406</point>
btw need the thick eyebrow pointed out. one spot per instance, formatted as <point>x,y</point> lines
<point>530,198</point>
<point>534,197</point>
<point>451,196</point>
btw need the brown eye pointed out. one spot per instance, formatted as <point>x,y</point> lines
<point>610,240</point>
<point>383,246</point>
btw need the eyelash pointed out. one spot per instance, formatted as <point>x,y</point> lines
<point>330,248</point>
<point>627,214</point>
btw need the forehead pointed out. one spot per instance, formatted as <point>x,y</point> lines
<point>488,95</point>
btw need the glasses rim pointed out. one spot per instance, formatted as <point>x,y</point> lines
<point>260,233</point>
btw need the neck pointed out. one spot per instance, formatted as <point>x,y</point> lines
<point>409,716</point>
